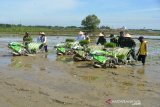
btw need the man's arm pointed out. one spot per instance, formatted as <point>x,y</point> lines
<point>45,40</point>
<point>134,43</point>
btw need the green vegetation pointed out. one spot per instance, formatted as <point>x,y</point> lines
<point>110,45</point>
<point>70,40</point>
<point>34,30</point>
<point>90,23</point>
<point>83,42</point>
<point>67,31</point>
<point>121,57</point>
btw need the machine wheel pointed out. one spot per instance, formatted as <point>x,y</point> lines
<point>15,54</point>
<point>97,65</point>
<point>59,53</point>
<point>77,58</point>
<point>24,52</point>
<point>112,63</point>
<point>69,53</point>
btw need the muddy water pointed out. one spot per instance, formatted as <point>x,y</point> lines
<point>46,80</point>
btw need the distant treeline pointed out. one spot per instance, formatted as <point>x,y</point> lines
<point>37,26</point>
<point>50,30</point>
<point>68,30</point>
<point>49,27</point>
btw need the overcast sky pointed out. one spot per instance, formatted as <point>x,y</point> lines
<point>113,13</point>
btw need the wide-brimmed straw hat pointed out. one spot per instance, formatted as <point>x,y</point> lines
<point>42,33</point>
<point>127,35</point>
<point>80,33</point>
<point>100,34</point>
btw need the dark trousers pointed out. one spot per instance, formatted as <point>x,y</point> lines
<point>133,54</point>
<point>45,47</point>
<point>142,58</point>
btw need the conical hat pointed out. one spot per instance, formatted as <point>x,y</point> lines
<point>80,33</point>
<point>100,34</point>
<point>127,35</point>
<point>42,33</point>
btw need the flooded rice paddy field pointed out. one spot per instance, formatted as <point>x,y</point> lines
<point>46,80</point>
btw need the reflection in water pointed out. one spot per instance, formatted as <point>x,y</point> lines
<point>36,63</point>
<point>127,83</point>
<point>89,78</point>
<point>45,55</point>
<point>60,58</point>
<point>141,83</point>
<point>141,70</point>
<point>20,62</point>
<point>43,68</point>
<point>64,58</point>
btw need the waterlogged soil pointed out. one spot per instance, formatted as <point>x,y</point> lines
<point>46,80</point>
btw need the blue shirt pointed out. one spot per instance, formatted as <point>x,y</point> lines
<point>80,37</point>
<point>42,39</point>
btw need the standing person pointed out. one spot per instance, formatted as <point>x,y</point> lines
<point>101,39</point>
<point>27,39</point>
<point>80,36</point>
<point>120,39</point>
<point>142,52</point>
<point>43,39</point>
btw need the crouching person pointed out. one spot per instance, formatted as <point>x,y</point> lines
<point>27,39</point>
<point>43,39</point>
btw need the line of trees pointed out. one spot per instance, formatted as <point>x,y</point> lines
<point>38,26</point>
<point>49,27</point>
<point>89,23</point>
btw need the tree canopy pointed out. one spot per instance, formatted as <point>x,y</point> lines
<point>90,23</point>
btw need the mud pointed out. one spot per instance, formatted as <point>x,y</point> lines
<point>46,80</point>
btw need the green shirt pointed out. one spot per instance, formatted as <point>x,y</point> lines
<point>27,39</point>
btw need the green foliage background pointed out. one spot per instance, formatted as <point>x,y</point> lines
<point>67,31</point>
<point>90,23</point>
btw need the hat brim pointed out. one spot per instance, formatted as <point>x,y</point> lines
<point>42,33</point>
<point>100,35</point>
<point>80,33</point>
<point>128,35</point>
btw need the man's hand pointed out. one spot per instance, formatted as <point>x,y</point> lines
<point>137,54</point>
